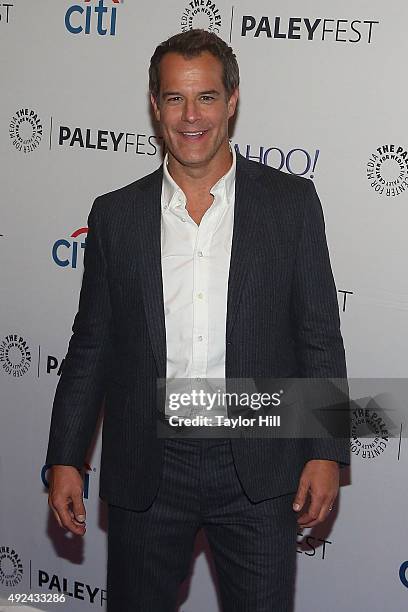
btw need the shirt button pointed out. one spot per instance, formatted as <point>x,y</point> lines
<point>198,379</point>
<point>200,295</point>
<point>200,253</point>
<point>200,338</point>
<point>183,220</point>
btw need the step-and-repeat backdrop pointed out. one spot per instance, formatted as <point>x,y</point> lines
<point>324,96</point>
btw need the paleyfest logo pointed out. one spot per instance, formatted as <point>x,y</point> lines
<point>309,29</point>
<point>26,130</point>
<point>201,14</point>
<point>15,355</point>
<point>387,170</point>
<point>4,12</point>
<point>109,140</point>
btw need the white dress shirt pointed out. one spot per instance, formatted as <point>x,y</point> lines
<point>195,269</point>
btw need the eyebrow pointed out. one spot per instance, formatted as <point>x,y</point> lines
<point>165,94</point>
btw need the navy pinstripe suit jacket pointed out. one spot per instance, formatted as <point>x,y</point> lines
<point>282,321</point>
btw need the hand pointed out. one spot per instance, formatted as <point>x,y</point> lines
<point>65,488</point>
<point>320,478</point>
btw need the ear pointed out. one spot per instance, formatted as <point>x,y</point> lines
<point>232,102</point>
<point>155,106</point>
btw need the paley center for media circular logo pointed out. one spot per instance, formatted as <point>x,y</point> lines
<point>387,170</point>
<point>15,355</point>
<point>369,434</point>
<point>11,567</point>
<point>201,14</point>
<point>25,130</point>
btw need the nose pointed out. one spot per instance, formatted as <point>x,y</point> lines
<point>191,111</point>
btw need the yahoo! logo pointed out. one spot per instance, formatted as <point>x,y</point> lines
<point>65,252</point>
<point>99,18</point>
<point>296,161</point>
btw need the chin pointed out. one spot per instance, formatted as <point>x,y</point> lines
<point>190,160</point>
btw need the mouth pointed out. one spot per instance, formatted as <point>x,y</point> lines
<point>193,136</point>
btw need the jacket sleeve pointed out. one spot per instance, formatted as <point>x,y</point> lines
<point>80,389</point>
<point>316,321</point>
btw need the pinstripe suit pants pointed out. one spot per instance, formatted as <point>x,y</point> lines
<point>253,544</point>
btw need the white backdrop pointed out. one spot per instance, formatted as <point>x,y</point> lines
<point>323,94</point>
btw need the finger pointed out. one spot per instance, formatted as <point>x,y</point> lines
<point>62,508</point>
<point>310,517</point>
<point>326,510</point>
<point>78,508</point>
<point>301,495</point>
<point>74,519</point>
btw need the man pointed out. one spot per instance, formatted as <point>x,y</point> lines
<point>211,266</point>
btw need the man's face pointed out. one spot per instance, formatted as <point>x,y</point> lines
<point>193,108</point>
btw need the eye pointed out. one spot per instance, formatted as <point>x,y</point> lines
<point>207,98</point>
<point>174,99</point>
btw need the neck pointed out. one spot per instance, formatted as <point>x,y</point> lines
<point>196,178</point>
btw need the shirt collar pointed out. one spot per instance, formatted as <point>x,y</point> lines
<point>173,195</point>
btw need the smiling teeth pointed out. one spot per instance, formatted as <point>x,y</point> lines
<point>193,133</point>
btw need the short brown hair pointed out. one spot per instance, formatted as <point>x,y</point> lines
<point>191,44</point>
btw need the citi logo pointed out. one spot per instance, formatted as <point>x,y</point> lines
<point>93,18</point>
<point>65,252</point>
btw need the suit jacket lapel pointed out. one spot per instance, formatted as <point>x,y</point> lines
<point>247,212</point>
<point>148,239</point>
